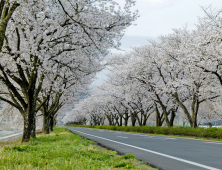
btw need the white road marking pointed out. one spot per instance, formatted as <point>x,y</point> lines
<point>157,138</point>
<point>138,135</point>
<point>122,136</point>
<point>149,136</point>
<point>154,152</point>
<point>168,139</point>
<point>5,137</point>
<point>4,134</point>
<point>214,142</point>
<point>161,138</point>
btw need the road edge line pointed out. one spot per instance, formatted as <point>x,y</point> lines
<point>154,152</point>
<point>6,137</point>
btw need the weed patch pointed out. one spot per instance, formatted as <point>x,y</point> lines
<point>129,156</point>
<point>127,165</point>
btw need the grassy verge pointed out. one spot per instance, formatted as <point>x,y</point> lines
<point>63,150</point>
<point>214,134</point>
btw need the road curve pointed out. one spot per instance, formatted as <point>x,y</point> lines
<point>10,135</point>
<point>167,153</point>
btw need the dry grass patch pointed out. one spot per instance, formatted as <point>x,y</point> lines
<point>10,143</point>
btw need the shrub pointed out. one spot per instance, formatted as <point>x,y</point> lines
<point>182,131</point>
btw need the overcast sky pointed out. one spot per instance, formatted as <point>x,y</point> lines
<point>158,17</point>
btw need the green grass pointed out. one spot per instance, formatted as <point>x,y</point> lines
<point>214,134</point>
<point>62,150</point>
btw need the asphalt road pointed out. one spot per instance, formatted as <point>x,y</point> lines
<point>167,153</point>
<point>9,135</point>
<point>5,132</point>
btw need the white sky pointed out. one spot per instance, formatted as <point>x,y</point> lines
<point>158,17</point>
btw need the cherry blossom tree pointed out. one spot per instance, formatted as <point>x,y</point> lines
<point>140,76</point>
<point>52,37</point>
<point>184,81</point>
<point>180,73</point>
<point>210,112</point>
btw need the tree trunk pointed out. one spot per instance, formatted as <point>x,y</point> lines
<point>29,117</point>
<point>173,115</point>
<point>195,108</point>
<point>165,113</point>
<point>139,120</point>
<point>144,122</point>
<point>186,112</point>
<point>117,120</point>
<point>133,120</point>
<point>103,120</point>
<point>126,119</point>
<point>158,118</point>
<point>194,121</point>
<point>51,123</point>
<point>110,122</point>
<point>26,130</point>
<point>158,121</point>
<point>145,118</point>
<point>45,128</point>
<point>29,127</point>
<point>33,127</point>
<point>121,121</point>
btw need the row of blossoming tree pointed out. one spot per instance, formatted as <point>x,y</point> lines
<point>51,50</point>
<point>179,75</point>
